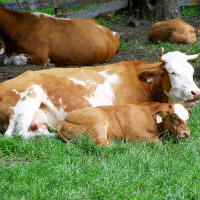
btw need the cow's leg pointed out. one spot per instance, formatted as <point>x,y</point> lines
<point>180,37</point>
<point>16,60</point>
<point>68,131</point>
<point>24,59</point>
<point>148,137</point>
<point>24,111</point>
<point>37,59</point>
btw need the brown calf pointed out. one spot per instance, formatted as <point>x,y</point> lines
<point>144,122</point>
<point>174,30</point>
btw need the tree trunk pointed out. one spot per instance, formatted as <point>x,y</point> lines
<point>158,9</point>
<point>167,9</point>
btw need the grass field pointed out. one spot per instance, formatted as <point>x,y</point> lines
<point>46,168</point>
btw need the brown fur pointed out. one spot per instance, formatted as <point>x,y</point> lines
<point>64,42</point>
<point>130,122</point>
<point>174,30</point>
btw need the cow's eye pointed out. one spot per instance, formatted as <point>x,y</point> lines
<point>173,73</point>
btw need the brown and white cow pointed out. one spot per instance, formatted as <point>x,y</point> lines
<point>39,99</point>
<point>36,38</point>
<point>173,30</point>
<point>144,122</point>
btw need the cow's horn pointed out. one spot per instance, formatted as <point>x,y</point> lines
<point>192,57</point>
<point>161,54</point>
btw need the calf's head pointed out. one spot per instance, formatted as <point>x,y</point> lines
<point>174,119</point>
<point>175,75</point>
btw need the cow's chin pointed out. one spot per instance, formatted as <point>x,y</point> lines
<point>191,103</point>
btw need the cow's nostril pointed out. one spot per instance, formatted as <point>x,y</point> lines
<point>193,93</point>
<point>186,134</point>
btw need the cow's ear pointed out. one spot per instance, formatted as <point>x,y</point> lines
<point>159,116</point>
<point>189,112</point>
<point>149,75</point>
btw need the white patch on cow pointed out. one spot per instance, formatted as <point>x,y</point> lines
<point>54,114</point>
<point>181,112</point>
<point>29,103</point>
<point>42,14</point>
<point>49,63</point>
<point>16,60</point>
<point>181,76</point>
<point>99,26</point>
<point>8,61</point>
<point>103,95</point>
<point>150,79</point>
<point>27,111</point>
<point>64,19</point>
<point>158,119</point>
<point>78,81</point>
<point>114,33</point>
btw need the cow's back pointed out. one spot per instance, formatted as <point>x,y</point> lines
<point>41,38</point>
<point>80,39</point>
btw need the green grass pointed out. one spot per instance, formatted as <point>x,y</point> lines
<point>168,47</point>
<point>47,168</point>
<point>193,11</point>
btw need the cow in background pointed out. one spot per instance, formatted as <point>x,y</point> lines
<point>173,30</point>
<point>36,38</point>
<point>37,100</point>
<point>143,122</point>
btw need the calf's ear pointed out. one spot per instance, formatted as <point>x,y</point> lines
<point>189,112</point>
<point>159,116</point>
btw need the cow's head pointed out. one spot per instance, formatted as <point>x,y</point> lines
<point>176,77</point>
<point>174,119</point>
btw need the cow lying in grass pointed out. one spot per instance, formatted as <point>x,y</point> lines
<point>37,100</point>
<point>36,38</point>
<point>173,30</point>
<point>143,122</point>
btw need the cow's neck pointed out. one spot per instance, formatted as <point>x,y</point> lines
<point>157,92</point>
<point>9,20</point>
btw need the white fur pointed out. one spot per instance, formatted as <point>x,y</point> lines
<point>29,102</point>
<point>181,112</point>
<point>158,119</point>
<point>27,109</point>
<point>78,81</point>
<point>181,76</point>
<point>103,95</point>
<point>16,60</point>
<point>42,14</point>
